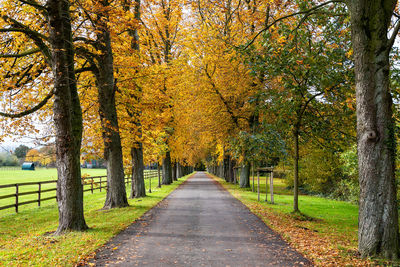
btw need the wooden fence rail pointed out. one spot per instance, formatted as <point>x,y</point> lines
<point>90,183</point>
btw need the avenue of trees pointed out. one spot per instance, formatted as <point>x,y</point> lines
<point>310,86</point>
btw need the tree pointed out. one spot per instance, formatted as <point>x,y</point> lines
<point>33,155</point>
<point>54,20</point>
<point>306,77</point>
<point>134,112</point>
<point>101,63</point>
<point>7,159</point>
<point>370,27</point>
<point>378,233</point>
<point>21,151</point>
<point>161,21</point>
<point>67,118</point>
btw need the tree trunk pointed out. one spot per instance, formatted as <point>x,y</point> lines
<point>232,164</point>
<point>116,192</point>
<point>378,215</point>
<point>138,185</point>
<point>167,170</point>
<point>296,171</point>
<point>252,174</point>
<point>245,176</point>
<point>221,170</point>
<point>159,175</point>
<point>226,167</point>
<point>178,170</point>
<point>173,166</point>
<point>67,119</point>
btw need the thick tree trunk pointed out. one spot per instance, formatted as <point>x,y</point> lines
<point>245,176</point>
<point>166,169</point>
<point>378,233</point>
<point>116,192</point>
<point>296,171</point>
<point>67,119</point>
<point>138,186</point>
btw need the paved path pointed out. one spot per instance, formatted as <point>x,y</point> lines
<point>199,224</point>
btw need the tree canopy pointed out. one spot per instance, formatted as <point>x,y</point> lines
<point>221,83</point>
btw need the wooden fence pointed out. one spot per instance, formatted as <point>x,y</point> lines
<point>10,168</point>
<point>90,183</point>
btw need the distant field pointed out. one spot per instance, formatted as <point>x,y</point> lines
<point>16,175</point>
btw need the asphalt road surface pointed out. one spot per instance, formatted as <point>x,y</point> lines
<point>199,224</point>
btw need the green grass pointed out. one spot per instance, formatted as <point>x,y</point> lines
<point>325,231</point>
<point>24,242</point>
<point>10,176</point>
<point>329,214</point>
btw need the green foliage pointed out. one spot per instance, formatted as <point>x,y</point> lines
<point>348,188</point>
<point>333,175</point>
<point>7,159</point>
<point>349,163</point>
<point>258,147</point>
<point>319,170</point>
<point>21,150</point>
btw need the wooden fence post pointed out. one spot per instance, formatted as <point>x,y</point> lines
<point>271,186</point>
<point>100,183</point>
<point>91,185</point>
<point>252,174</point>
<point>258,185</point>
<point>16,198</point>
<point>159,176</point>
<point>39,193</point>
<point>150,174</point>
<point>266,188</point>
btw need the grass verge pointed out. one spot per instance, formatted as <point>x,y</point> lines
<point>24,240</point>
<point>328,237</point>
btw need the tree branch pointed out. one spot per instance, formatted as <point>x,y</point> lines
<point>29,111</point>
<point>23,54</point>
<point>36,37</point>
<point>228,108</point>
<point>36,5</point>
<point>289,16</point>
<point>394,35</point>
